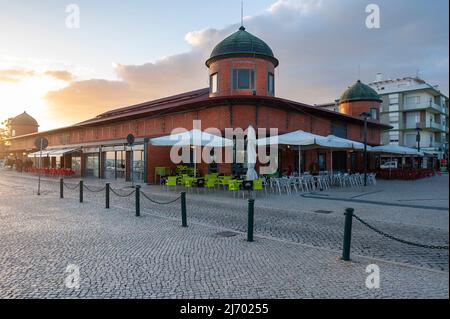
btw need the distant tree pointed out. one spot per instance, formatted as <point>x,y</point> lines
<point>5,133</point>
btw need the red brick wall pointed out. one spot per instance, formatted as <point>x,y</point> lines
<point>24,129</point>
<point>358,107</point>
<point>224,69</point>
<point>220,116</point>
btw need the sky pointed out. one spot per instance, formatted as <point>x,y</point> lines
<point>127,52</point>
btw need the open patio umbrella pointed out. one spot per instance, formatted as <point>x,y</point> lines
<point>251,154</point>
<point>304,139</point>
<point>352,144</point>
<point>396,149</point>
<point>194,138</point>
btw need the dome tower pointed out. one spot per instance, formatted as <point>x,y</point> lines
<point>360,98</point>
<point>23,124</point>
<point>242,64</point>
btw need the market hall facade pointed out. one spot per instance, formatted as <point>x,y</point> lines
<point>242,92</point>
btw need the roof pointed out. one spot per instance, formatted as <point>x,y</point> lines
<point>359,92</point>
<point>24,119</point>
<point>242,43</point>
<point>200,99</point>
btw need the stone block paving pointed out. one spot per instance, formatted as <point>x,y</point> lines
<point>315,229</point>
<point>296,254</point>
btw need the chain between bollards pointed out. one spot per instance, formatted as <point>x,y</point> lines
<point>81,191</point>
<point>61,188</point>
<point>183,210</point>
<point>347,233</point>
<point>138,201</point>
<point>251,219</point>
<point>107,195</point>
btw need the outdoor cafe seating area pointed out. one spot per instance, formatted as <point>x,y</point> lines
<point>187,179</point>
<point>406,173</point>
<point>55,172</point>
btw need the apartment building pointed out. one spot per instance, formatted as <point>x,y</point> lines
<point>411,106</point>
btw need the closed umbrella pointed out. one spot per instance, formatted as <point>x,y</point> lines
<point>251,154</point>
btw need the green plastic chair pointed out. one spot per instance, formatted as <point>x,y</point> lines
<point>224,180</point>
<point>233,186</point>
<point>172,182</point>
<point>188,181</point>
<point>210,183</point>
<point>258,185</point>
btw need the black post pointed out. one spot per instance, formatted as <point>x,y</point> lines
<point>81,191</point>
<point>251,217</point>
<point>107,195</point>
<point>61,188</point>
<point>138,200</point>
<point>183,210</point>
<point>365,151</point>
<point>347,233</point>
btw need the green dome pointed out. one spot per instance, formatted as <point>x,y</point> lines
<point>242,43</point>
<point>360,92</point>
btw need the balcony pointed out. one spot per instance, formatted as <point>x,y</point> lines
<point>422,106</point>
<point>432,126</point>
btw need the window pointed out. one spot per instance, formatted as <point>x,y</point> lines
<point>374,113</point>
<point>413,100</point>
<point>243,79</point>
<point>214,83</point>
<point>271,83</point>
<point>339,129</point>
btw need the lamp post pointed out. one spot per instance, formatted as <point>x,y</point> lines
<point>418,138</point>
<point>365,116</point>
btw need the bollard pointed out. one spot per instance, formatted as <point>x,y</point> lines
<point>61,188</point>
<point>138,201</point>
<point>347,233</point>
<point>107,189</point>
<point>183,210</point>
<point>81,191</point>
<point>251,216</point>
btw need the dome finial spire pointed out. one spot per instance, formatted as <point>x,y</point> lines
<point>242,28</point>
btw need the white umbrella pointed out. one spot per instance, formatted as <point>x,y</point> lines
<point>396,149</point>
<point>194,137</point>
<point>352,144</point>
<point>302,138</point>
<point>251,154</point>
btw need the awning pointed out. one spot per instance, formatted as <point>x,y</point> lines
<point>116,148</point>
<point>396,149</point>
<point>52,153</point>
<point>39,154</point>
<point>58,153</point>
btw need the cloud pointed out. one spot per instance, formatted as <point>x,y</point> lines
<point>83,99</point>
<point>61,75</point>
<point>321,46</point>
<point>15,75</point>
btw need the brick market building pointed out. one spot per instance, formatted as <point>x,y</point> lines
<point>241,93</point>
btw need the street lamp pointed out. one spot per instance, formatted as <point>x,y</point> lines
<point>365,116</point>
<point>418,138</point>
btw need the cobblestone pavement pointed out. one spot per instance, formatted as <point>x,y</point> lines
<point>296,253</point>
